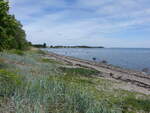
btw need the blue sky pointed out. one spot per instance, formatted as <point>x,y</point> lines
<point>109,23</point>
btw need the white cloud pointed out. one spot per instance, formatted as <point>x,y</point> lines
<point>61,22</point>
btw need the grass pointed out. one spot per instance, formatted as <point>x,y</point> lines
<point>28,85</point>
<point>18,52</point>
<point>79,71</point>
<point>138,104</point>
<point>40,52</point>
<point>8,82</point>
<point>46,60</point>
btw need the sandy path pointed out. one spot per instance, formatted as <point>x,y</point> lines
<point>137,81</point>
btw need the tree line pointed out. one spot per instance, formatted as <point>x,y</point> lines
<point>76,46</point>
<point>12,36</point>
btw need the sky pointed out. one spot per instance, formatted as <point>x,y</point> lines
<point>108,23</point>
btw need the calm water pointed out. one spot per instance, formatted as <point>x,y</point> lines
<point>136,59</point>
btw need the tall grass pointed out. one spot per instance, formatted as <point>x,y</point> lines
<point>34,87</point>
<point>44,95</point>
<point>28,85</point>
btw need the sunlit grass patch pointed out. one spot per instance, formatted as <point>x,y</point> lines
<point>47,60</point>
<point>79,71</point>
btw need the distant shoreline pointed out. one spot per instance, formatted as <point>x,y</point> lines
<point>76,47</point>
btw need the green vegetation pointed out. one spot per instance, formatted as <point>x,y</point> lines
<point>40,90</point>
<point>30,83</point>
<point>46,60</point>
<point>137,104</point>
<point>12,36</point>
<point>8,82</point>
<point>15,51</point>
<point>79,71</point>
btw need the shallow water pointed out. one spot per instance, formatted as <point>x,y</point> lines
<point>136,59</point>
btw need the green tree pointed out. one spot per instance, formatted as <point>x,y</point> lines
<point>44,45</point>
<point>12,36</point>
